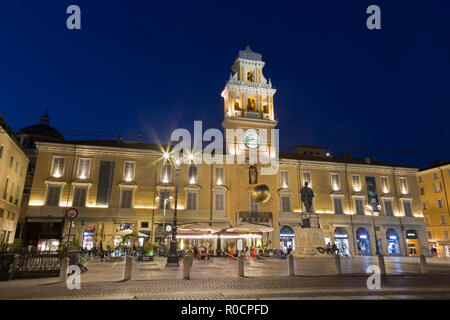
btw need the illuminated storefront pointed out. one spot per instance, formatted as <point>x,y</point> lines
<point>363,241</point>
<point>287,238</point>
<point>88,237</point>
<point>413,243</point>
<point>393,242</point>
<point>341,240</point>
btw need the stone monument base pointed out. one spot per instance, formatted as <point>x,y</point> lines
<point>307,240</point>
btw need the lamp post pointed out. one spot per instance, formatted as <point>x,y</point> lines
<point>172,258</point>
<point>371,209</point>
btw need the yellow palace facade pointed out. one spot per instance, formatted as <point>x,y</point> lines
<point>117,185</point>
<point>434,188</point>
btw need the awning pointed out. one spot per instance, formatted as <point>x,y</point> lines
<point>143,234</point>
<point>123,232</point>
<point>198,227</point>
<point>250,228</point>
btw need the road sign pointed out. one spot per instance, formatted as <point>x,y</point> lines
<point>72,214</point>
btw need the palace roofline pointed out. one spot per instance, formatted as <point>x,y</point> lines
<point>283,155</point>
<point>435,164</point>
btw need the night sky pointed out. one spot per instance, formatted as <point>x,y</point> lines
<point>153,66</point>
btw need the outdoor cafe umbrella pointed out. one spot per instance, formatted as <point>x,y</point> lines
<point>198,227</point>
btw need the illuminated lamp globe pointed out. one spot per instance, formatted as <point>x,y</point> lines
<point>260,193</point>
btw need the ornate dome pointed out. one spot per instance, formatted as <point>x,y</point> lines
<point>248,54</point>
<point>41,131</point>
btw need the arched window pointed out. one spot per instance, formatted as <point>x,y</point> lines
<point>166,173</point>
<point>193,174</point>
<point>251,104</point>
<point>237,106</point>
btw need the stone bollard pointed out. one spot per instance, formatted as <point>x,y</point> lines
<point>241,266</point>
<point>187,268</point>
<point>63,270</point>
<point>423,264</point>
<point>337,263</point>
<point>128,267</point>
<point>381,264</point>
<point>291,266</point>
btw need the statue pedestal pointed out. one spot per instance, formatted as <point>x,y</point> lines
<point>309,237</point>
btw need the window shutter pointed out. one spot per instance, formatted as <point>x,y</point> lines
<point>105,179</point>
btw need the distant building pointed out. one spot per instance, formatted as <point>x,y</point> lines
<point>27,137</point>
<point>434,187</point>
<point>13,167</point>
<point>119,186</point>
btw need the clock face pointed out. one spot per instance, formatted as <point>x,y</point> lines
<point>252,139</point>
<point>168,228</point>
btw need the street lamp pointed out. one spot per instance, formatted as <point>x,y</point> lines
<point>172,258</point>
<point>371,209</point>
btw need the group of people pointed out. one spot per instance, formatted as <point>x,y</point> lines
<point>331,248</point>
<point>247,252</point>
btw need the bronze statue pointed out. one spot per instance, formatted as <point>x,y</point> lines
<point>307,196</point>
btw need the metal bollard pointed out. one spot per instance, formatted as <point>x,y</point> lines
<point>423,264</point>
<point>63,270</point>
<point>291,266</point>
<point>128,267</point>
<point>241,266</point>
<point>187,268</point>
<point>381,265</point>
<point>337,263</point>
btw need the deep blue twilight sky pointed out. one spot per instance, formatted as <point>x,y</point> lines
<point>157,65</point>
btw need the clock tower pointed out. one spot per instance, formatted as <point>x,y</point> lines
<point>248,105</point>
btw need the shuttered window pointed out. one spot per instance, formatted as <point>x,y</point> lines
<point>335,181</point>
<point>5,191</point>
<point>285,204</point>
<point>105,179</point>
<point>338,208</point>
<point>220,175</point>
<point>53,196</point>
<point>356,181</point>
<point>84,168</point>
<point>191,201</point>
<point>403,185</point>
<point>219,202</point>
<point>384,184</point>
<point>359,206</point>
<point>126,198</point>
<point>129,170</point>
<point>388,207</point>
<point>79,197</point>
<point>58,167</point>
<point>407,208</point>
<point>193,174</point>
<point>166,173</point>
<point>284,179</point>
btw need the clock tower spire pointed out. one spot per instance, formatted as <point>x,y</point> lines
<point>248,100</point>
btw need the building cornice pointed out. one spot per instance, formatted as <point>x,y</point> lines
<point>93,150</point>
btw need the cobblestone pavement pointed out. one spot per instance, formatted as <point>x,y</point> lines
<point>264,279</point>
<point>343,287</point>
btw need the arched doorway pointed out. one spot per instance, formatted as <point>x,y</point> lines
<point>287,238</point>
<point>363,241</point>
<point>393,242</point>
<point>88,237</point>
<point>341,240</point>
